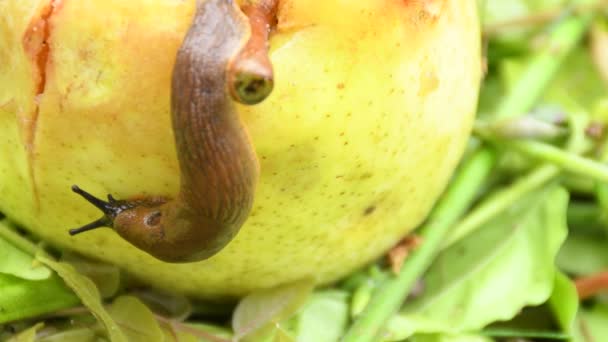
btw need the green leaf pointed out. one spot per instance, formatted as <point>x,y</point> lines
<point>449,338</point>
<point>491,275</point>
<point>324,318</point>
<point>578,82</point>
<point>174,306</point>
<point>17,262</point>
<point>22,299</point>
<point>281,335</point>
<point>205,332</point>
<point>195,332</point>
<point>135,320</point>
<point>499,11</point>
<point>576,86</point>
<point>72,335</point>
<point>20,264</point>
<point>591,324</point>
<point>171,334</point>
<point>583,254</point>
<point>564,302</point>
<point>87,292</point>
<point>361,297</point>
<point>28,335</point>
<point>106,277</point>
<point>28,288</point>
<point>260,311</point>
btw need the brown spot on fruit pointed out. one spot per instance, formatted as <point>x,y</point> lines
<point>369,210</point>
<point>421,11</point>
<point>366,175</point>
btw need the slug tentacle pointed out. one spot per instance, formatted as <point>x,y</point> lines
<point>223,58</point>
<point>110,209</point>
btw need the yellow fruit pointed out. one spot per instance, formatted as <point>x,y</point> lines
<point>372,106</point>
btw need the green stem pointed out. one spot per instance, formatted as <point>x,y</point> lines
<point>461,193</point>
<point>543,67</point>
<point>579,186</point>
<point>601,188</point>
<point>500,200</point>
<point>525,334</point>
<point>565,160</point>
<point>454,203</point>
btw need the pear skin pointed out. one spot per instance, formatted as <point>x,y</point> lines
<point>372,105</point>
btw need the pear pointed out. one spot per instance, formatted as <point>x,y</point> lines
<point>372,106</point>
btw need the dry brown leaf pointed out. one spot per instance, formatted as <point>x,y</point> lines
<point>398,254</point>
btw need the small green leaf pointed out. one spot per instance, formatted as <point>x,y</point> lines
<point>87,292</point>
<point>106,277</point>
<point>583,254</point>
<point>206,331</point>
<point>591,324</point>
<point>281,335</point>
<point>72,335</point>
<point>491,275</point>
<point>324,318</point>
<point>168,305</point>
<point>261,310</point>
<point>135,320</point>
<point>449,338</point>
<point>28,335</point>
<point>564,302</point>
<point>23,299</point>
<point>195,332</point>
<point>20,264</point>
<point>179,336</point>
<point>17,262</point>
<point>361,297</point>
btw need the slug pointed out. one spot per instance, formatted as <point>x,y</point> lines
<point>223,59</point>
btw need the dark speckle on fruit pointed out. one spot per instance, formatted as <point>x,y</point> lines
<point>366,175</point>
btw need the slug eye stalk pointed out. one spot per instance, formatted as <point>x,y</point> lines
<point>223,59</point>
<point>110,209</point>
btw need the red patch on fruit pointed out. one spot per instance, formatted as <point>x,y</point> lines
<point>35,41</point>
<point>36,45</point>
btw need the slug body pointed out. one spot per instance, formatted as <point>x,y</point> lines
<point>219,168</point>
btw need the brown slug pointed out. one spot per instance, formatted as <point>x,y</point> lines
<point>222,59</point>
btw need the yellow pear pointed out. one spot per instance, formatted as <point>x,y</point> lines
<point>372,105</point>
